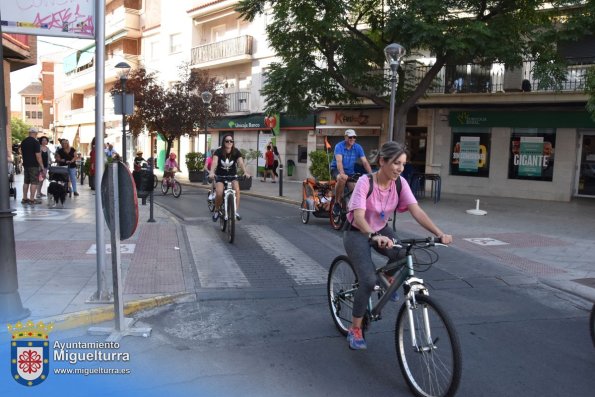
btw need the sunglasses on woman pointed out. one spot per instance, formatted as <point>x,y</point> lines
<point>228,141</point>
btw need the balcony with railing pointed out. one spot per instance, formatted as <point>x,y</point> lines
<point>123,19</point>
<point>476,79</point>
<point>228,52</point>
<point>238,102</point>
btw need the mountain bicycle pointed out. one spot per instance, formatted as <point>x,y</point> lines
<point>427,345</point>
<point>169,180</point>
<point>338,219</point>
<point>227,212</point>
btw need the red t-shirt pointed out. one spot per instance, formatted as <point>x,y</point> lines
<point>270,158</point>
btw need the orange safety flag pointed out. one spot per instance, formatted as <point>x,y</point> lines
<point>326,143</point>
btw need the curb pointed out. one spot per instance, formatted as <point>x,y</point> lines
<point>101,314</point>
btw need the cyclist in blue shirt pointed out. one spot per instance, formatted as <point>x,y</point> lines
<point>343,164</point>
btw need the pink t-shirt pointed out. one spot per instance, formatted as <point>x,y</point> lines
<point>380,201</point>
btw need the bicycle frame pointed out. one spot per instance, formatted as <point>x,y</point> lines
<point>412,285</point>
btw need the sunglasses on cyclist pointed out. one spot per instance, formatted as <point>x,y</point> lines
<point>228,141</point>
<point>351,137</point>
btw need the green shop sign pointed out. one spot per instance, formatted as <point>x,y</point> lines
<point>529,119</point>
<point>262,122</point>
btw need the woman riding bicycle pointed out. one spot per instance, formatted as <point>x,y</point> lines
<point>368,224</point>
<point>171,166</point>
<point>225,161</point>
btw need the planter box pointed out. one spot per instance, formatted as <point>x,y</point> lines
<point>245,183</point>
<point>196,176</point>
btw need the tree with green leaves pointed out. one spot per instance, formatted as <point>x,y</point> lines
<point>18,129</point>
<point>332,51</point>
<point>174,111</point>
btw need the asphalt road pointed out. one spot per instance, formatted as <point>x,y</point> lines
<point>274,336</point>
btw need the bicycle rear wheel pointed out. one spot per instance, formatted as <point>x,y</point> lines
<point>432,363</point>
<point>176,189</point>
<point>231,221</point>
<point>342,285</point>
<point>164,186</point>
<point>337,220</point>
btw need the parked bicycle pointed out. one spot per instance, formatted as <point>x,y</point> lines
<point>227,212</point>
<point>338,218</point>
<point>169,181</point>
<point>427,345</point>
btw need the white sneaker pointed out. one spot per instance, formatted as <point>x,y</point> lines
<point>211,196</point>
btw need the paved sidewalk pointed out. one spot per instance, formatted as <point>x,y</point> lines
<point>57,266</point>
<point>548,241</point>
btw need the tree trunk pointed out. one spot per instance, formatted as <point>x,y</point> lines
<point>400,123</point>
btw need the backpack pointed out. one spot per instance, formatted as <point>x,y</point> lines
<point>399,186</point>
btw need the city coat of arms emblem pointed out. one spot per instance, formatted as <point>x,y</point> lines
<point>29,353</point>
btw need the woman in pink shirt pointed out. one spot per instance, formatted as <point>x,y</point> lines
<point>368,223</point>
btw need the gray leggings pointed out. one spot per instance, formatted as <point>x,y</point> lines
<point>359,251</point>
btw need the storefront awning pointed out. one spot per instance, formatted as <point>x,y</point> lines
<point>86,133</point>
<point>86,57</point>
<point>69,133</point>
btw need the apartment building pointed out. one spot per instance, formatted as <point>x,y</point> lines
<point>74,104</point>
<point>19,51</point>
<point>31,105</point>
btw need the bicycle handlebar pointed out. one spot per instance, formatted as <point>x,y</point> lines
<point>224,177</point>
<point>415,243</point>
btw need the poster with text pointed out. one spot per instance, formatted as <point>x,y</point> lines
<point>470,154</point>
<point>531,155</point>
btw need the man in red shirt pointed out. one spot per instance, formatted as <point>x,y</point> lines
<point>269,161</point>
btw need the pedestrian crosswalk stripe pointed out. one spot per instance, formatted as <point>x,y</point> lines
<point>215,265</point>
<point>302,268</point>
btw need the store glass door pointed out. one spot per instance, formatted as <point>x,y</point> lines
<point>586,176</point>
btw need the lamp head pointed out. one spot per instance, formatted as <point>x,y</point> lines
<point>206,97</point>
<point>122,69</point>
<point>393,53</point>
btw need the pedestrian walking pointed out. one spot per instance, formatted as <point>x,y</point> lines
<point>269,159</point>
<point>46,159</point>
<point>66,156</point>
<point>33,166</point>
<point>277,160</point>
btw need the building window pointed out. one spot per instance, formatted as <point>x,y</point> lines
<point>27,100</point>
<point>154,50</point>
<point>40,115</point>
<point>175,43</point>
<point>302,154</point>
<point>470,154</point>
<point>27,114</point>
<point>33,101</point>
<point>532,154</point>
<point>33,115</point>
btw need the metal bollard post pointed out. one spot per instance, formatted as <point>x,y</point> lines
<point>151,219</point>
<point>280,180</point>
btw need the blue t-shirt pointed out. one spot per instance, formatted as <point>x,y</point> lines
<point>350,156</point>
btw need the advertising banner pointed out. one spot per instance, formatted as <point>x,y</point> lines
<point>470,154</point>
<point>74,18</point>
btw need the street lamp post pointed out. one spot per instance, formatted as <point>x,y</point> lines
<point>393,53</point>
<point>123,69</point>
<point>206,97</point>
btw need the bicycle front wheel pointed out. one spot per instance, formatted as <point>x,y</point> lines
<point>428,348</point>
<point>164,186</point>
<point>342,285</point>
<point>176,189</point>
<point>155,181</point>
<point>231,220</point>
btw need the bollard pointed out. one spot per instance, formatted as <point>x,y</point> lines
<point>280,180</point>
<point>151,219</point>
